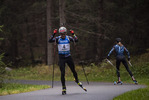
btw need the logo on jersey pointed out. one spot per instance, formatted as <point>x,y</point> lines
<point>64,46</point>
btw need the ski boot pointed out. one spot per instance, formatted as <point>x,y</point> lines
<point>119,82</point>
<point>115,82</point>
<point>135,82</point>
<point>64,91</point>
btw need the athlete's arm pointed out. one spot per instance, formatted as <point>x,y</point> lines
<point>75,39</point>
<point>111,51</point>
<point>52,39</point>
<point>127,52</point>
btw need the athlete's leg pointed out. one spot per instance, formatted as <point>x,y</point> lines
<point>62,69</point>
<point>72,67</point>
<point>127,68</point>
<point>117,69</point>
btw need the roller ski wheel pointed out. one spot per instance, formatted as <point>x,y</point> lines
<point>64,92</point>
<point>118,82</point>
<point>80,84</point>
<point>135,82</point>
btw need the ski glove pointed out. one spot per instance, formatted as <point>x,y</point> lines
<point>72,32</point>
<point>108,57</point>
<point>55,31</point>
<point>128,59</point>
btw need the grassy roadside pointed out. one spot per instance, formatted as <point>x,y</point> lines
<point>139,94</point>
<point>12,88</point>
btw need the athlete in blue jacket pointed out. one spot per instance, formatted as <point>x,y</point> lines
<point>119,48</point>
<point>63,42</point>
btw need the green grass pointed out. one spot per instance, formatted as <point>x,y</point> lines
<point>12,88</point>
<point>42,72</point>
<point>140,94</point>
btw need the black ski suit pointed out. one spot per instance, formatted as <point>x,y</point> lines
<point>65,56</point>
<point>120,58</point>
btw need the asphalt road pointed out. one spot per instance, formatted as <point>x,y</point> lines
<point>95,91</point>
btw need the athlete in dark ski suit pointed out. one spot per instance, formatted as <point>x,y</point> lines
<point>119,49</point>
<point>63,42</point>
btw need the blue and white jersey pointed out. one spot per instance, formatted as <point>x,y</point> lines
<point>64,45</point>
<point>119,50</point>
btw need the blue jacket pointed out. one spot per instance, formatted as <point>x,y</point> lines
<point>119,50</point>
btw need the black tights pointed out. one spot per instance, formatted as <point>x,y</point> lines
<point>71,65</point>
<point>125,64</point>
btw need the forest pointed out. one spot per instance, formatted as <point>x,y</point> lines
<point>26,25</point>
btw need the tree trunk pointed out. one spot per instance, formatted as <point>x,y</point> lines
<point>49,31</point>
<point>100,31</point>
<point>61,12</point>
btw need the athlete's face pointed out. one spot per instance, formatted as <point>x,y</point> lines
<point>63,35</point>
<point>119,43</point>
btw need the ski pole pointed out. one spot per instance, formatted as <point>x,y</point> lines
<point>82,63</point>
<point>130,63</point>
<point>53,76</point>
<point>111,64</point>
<point>53,63</point>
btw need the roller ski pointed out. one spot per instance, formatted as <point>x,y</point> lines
<point>118,82</point>
<point>80,84</point>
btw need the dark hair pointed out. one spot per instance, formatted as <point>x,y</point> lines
<point>118,40</point>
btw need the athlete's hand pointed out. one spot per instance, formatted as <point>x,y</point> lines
<point>128,59</point>
<point>72,32</point>
<point>55,31</point>
<point>108,57</point>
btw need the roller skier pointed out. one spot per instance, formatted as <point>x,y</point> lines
<point>119,48</point>
<point>63,42</point>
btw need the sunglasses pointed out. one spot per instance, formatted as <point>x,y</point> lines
<point>63,33</point>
